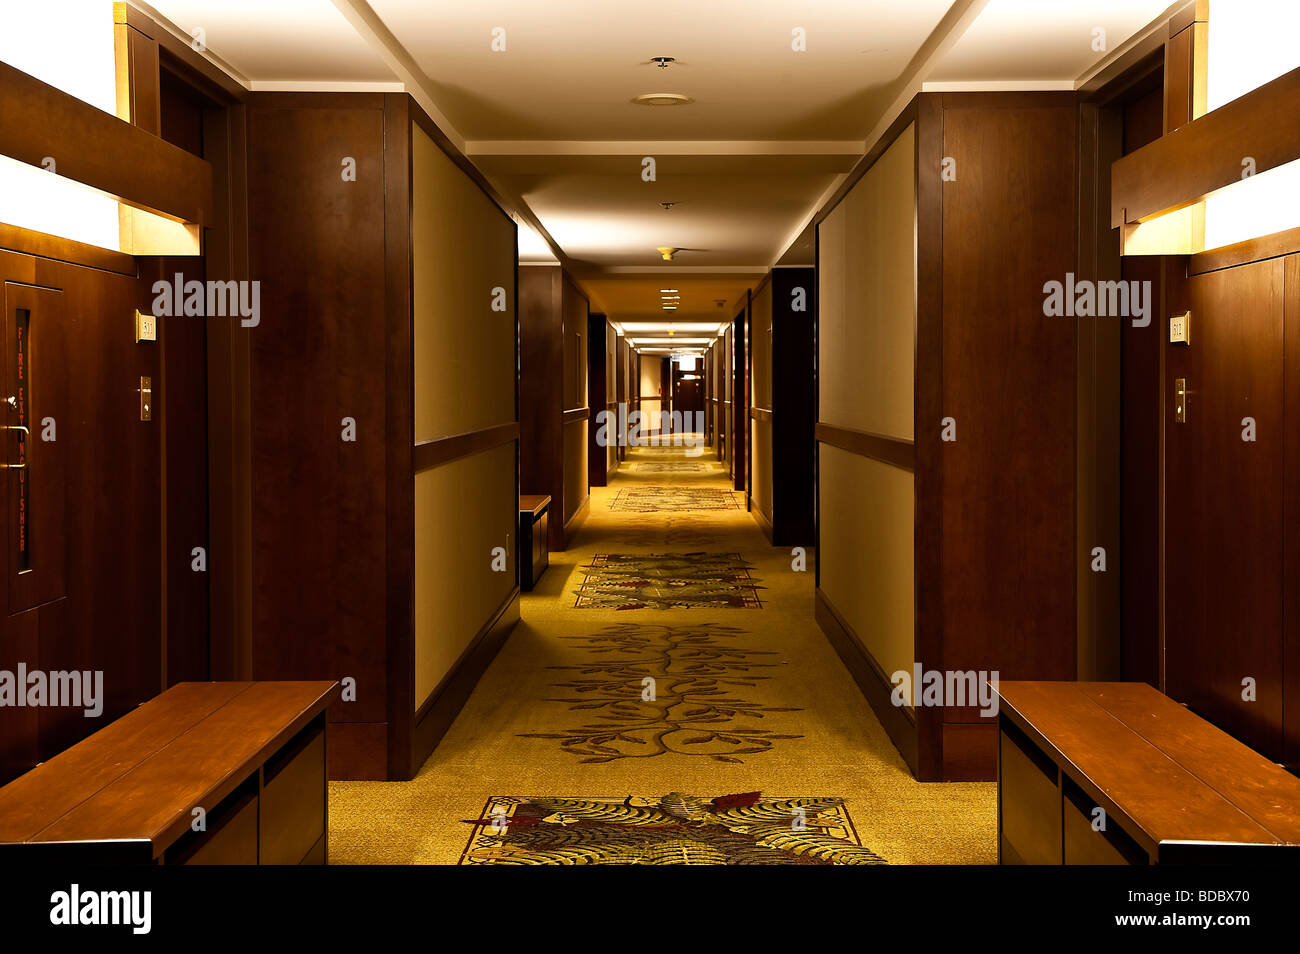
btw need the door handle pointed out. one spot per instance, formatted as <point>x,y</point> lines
<point>14,427</point>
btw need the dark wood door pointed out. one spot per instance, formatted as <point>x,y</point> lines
<point>1224,519</point>
<point>34,551</point>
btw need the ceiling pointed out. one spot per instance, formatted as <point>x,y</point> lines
<point>769,135</point>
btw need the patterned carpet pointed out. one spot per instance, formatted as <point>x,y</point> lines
<point>622,581</point>
<point>669,468</point>
<point>648,691</point>
<point>660,499</point>
<point>734,703</point>
<point>674,829</point>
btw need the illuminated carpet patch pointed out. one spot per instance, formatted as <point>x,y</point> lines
<point>658,499</point>
<point>655,690</point>
<point>620,581</point>
<point>674,829</point>
<point>670,468</point>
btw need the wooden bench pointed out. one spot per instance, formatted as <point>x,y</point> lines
<point>1173,788</point>
<point>251,755</point>
<point>534,554</point>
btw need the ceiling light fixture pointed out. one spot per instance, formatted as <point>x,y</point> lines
<point>667,205</point>
<point>663,61</point>
<point>667,252</point>
<point>667,291</point>
<point>662,99</point>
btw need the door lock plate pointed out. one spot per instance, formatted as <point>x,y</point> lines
<point>1180,400</point>
<point>146,399</point>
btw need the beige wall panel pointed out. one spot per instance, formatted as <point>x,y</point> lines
<point>462,247</point>
<point>867,299</point>
<point>760,344</point>
<point>611,392</point>
<point>761,437</point>
<point>575,349</point>
<point>575,467</point>
<point>463,509</point>
<point>867,563</point>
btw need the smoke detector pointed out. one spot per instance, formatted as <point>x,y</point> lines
<point>666,205</point>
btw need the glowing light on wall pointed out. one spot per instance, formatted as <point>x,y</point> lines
<point>1251,42</point>
<point>32,198</point>
<point>65,43</point>
<point>1260,205</point>
<point>69,45</point>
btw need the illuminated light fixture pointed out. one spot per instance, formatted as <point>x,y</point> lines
<point>667,252</point>
<point>670,307</point>
<point>1251,76</point>
<point>74,47</point>
<point>668,291</point>
<point>641,327</point>
<point>662,99</point>
<point>1251,42</point>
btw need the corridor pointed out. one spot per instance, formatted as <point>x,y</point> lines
<point>788,722</point>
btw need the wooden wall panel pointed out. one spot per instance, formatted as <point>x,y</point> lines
<point>319,539</point>
<point>1224,536</point>
<point>1009,384</point>
<point>553,315</point>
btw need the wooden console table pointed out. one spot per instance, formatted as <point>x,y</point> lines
<point>250,755</point>
<point>534,553</point>
<point>1173,787</point>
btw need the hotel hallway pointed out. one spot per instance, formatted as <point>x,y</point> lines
<point>817,734</point>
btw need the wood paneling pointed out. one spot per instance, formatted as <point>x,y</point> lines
<point>319,536</point>
<point>994,520</point>
<point>553,317</point>
<point>887,450</point>
<point>1291,526</point>
<point>1009,513</point>
<point>98,149</point>
<point>434,453</point>
<point>1224,538</point>
<point>1205,154</point>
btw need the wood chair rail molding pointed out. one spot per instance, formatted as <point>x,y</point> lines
<point>97,149</point>
<point>1207,154</point>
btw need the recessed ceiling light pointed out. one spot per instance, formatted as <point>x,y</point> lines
<point>667,291</point>
<point>662,99</point>
<point>670,307</point>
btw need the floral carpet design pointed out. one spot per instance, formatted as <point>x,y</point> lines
<point>674,829</point>
<point>659,499</point>
<point>670,468</point>
<point>663,581</point>
<point>651,690</point>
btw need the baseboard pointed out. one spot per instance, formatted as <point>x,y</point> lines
<point>435,717</point>
<point>899,722</point>
<point>764,524</point>
<point>575,522</point>
<point>357,751</point>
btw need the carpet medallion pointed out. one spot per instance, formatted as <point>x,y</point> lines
<point>659,499</point>
<point>621,581</point>
<point>654,690</point>
<point>674,829</point>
